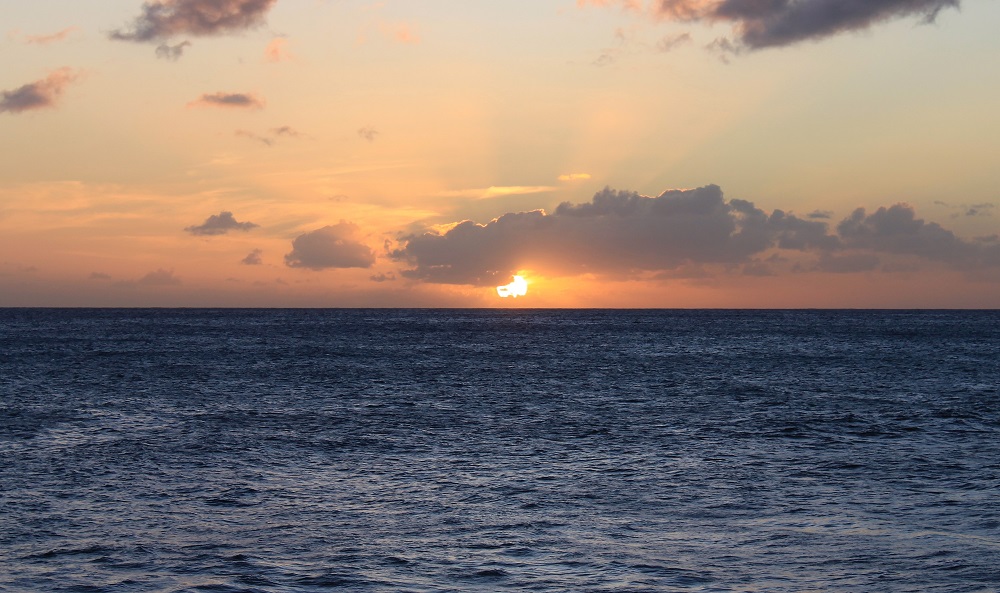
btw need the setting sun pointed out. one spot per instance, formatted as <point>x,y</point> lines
<point>518,287</point>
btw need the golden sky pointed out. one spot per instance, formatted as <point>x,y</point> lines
<point>614,153</point>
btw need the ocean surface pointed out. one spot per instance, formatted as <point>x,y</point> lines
<point>499,450</point>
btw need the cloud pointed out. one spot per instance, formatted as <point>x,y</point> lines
<point>897,230</point>
<point>984,209</point>
<point>255,137</point>
<point>671,42</point>
<point>335,246</point>
<point>229,100</point>
<point>253,258</point>
<point>220,224</point>
<point>173,53</point>
<point>621,233</point>
<point>160,277</point>
<point>277,51</point>
<point>617,232</point>
<point>272,135</point>
<point>383,277</point>
<point>574,177</point>
<point>51,38</point>
<point>771,23</point>
<point>368,133</point>
<point>40,94</point>
<point>163,19</point>
<point>99,276</point>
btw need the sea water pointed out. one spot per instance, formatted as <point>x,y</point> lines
<point>499,450</point>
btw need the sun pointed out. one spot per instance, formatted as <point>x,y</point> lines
<point>519,287</point>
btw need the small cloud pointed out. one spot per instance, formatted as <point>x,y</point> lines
<point>173,53</point>
<point>253,258</point>
<point>160,277</point>
<point>980,210</point>
<point>383,277</point>
<point>368,133</point>
<point>220,224</point>
<point>40,94</point>
<point>255,137</point>
<point>671,42</point>
<point>574,177</point>
<point>605,59</point>
<point>163,19</point>
<point>229,100</point>
<point>271,136</point>
<point>99,276</point>
<point>277,51</point>
<point>285,131</point>
<point>820,215</point>
<point>51,38</point>
<point>335,246</point>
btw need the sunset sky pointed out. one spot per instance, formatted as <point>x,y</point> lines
<point>614,153</point>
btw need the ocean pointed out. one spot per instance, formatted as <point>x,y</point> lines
<point>499,450</point>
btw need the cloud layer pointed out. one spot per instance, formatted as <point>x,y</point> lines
<point>335,246</point>
<point>163,19</point>
<point>770,23</point>
<point>621,233</point>
<point>37,95</point>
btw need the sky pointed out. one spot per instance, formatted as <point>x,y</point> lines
<point>420,153</point>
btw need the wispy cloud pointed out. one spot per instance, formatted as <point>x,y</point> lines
<point>40,94</point>
<point>495,191</point>
<point>160,277</point>
<point>229,100</point>
<point>574,177</point>
<point>173,53</point>
<point>50,38</point>
<point>277,51</point>
<point>368,133</point>
<point>271,137</point>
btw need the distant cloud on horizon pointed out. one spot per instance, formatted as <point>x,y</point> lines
<point>160,277</point>
<point>623,233</point>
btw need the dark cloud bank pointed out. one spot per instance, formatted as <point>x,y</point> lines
<point>771,23</point>
<point>622,233</point>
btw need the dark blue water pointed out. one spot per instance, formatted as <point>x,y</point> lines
<point>273,451</point>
